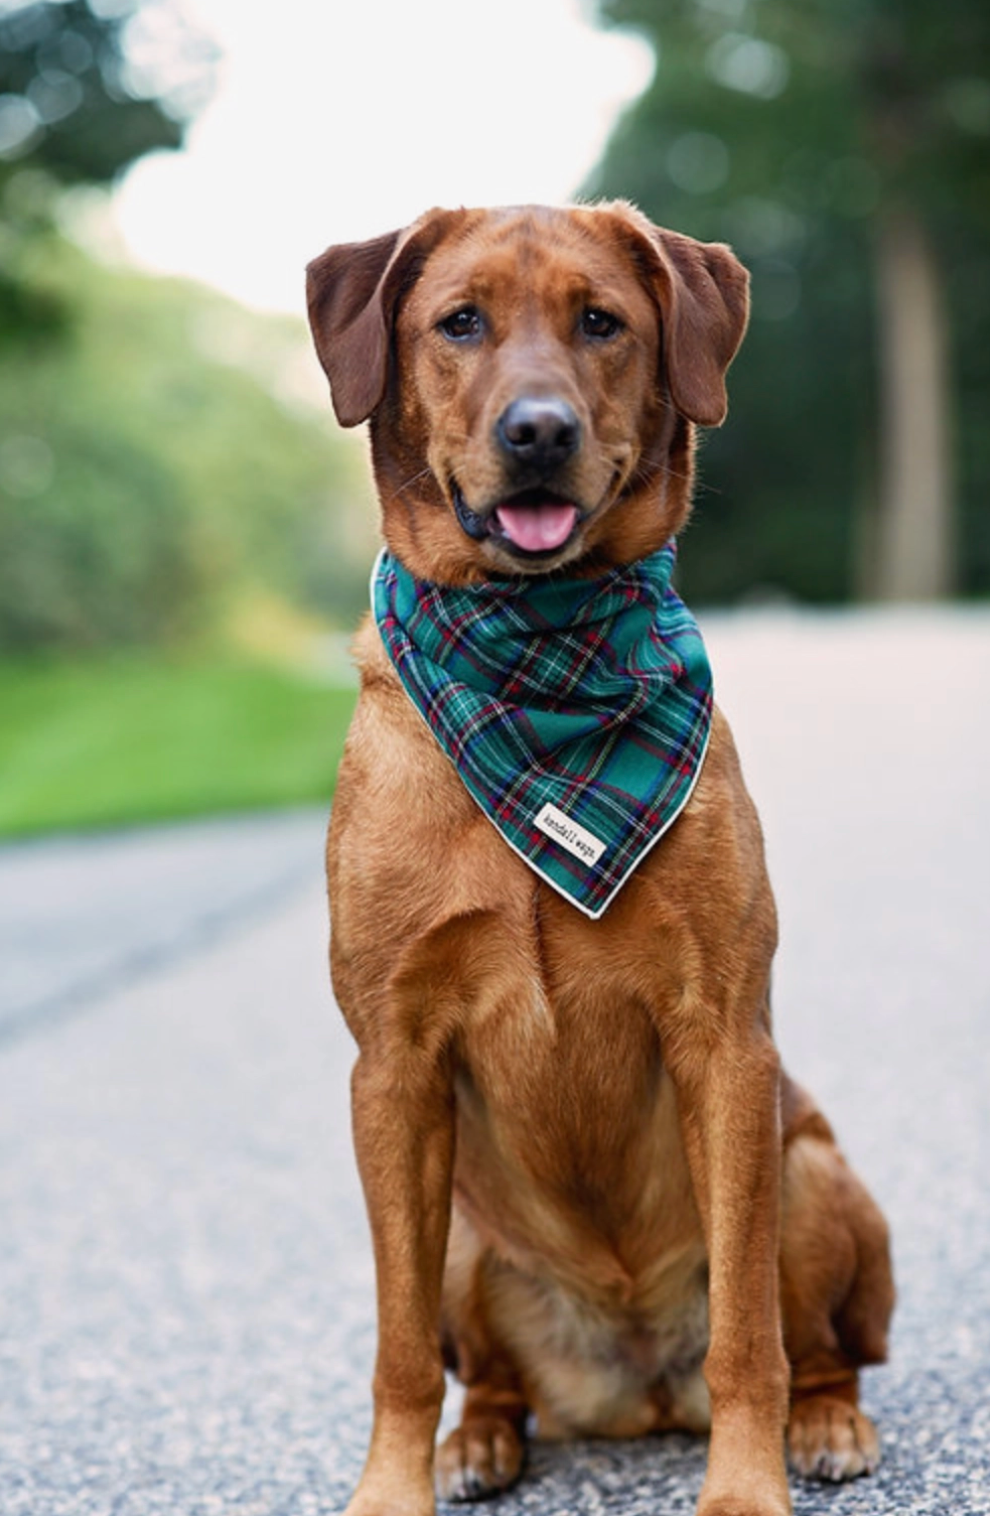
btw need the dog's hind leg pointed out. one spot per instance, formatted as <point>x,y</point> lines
<point>837,1294</point>
<point>485,1453</point>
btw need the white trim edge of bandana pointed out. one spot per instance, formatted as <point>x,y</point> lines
<point>585,910</point>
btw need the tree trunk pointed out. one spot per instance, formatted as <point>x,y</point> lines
<point>915,530</point>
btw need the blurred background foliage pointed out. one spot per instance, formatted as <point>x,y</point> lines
<point>173,497</point>
<point>161,469</point>
<point>843,148</point>
<point>181,531</point>
<point>159,472</point>
<point>78,107</point>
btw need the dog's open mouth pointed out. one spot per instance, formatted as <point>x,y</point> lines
<point>532,524</point>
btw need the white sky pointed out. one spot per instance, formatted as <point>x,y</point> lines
<point>335,120</point>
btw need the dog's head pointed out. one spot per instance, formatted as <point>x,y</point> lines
<point>532,378</point>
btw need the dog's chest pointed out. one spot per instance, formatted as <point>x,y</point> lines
<point>572,1054</point>
<point>565,1112</point>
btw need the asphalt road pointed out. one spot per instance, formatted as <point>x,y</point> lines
<point>187,1321</point>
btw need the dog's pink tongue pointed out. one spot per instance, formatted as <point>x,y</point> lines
<point>537,528</point>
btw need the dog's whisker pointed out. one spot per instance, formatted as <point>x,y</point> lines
<point>424,473</point>
<point>647,470</point>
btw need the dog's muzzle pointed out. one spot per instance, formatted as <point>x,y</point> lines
<point>536,435</point>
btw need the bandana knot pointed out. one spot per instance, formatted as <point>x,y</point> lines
<point>575,711</point>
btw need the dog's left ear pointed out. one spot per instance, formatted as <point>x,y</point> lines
<point>703,292</point>
<point>352,291</point>
<point>704,295</point>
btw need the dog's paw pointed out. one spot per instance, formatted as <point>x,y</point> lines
<point>385,1499</point>
<point>481,1457</point>
<point>829,1439</point>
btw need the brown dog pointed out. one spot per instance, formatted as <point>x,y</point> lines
<point>586,1176</point>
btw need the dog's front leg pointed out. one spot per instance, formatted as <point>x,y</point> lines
<point>728,1101</point>
<point>404,1137</point>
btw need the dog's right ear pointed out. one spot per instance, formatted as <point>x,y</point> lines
<point>344,295</point>
<point>351,292</point>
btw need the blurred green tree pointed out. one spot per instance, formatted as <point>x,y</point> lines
<point>159,478</point>
<point>86,87</point>
<point>841,146</point>
<point>163,474</point>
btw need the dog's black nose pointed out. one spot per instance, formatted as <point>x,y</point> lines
<point>540,430</point>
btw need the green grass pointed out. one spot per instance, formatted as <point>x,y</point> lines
<point>123,740</point>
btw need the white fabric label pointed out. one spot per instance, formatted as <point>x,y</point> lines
<point>576,839</point>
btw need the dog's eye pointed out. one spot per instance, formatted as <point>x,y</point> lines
<point>462,325</point>
<point>599,323</point>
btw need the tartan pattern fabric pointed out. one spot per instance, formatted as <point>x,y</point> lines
<point>592,697</point>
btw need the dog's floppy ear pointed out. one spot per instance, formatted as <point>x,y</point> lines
<point>351,293</point>
<point>703,292</point>
<point>348,322</point>
<point>704,296</point>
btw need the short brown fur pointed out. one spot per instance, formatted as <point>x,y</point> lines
<point>586,1176</point>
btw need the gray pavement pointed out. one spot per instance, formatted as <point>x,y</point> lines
<point>79,917</point>
<point>187,1320</point>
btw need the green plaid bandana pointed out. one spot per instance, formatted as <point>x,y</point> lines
<point>576,711</point>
